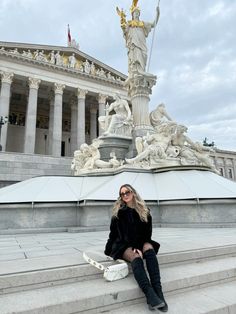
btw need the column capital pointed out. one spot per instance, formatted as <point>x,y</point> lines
<point>81,93</point>
<point>102,98</point>
<point>7,77</point>
<point>34,82</point>
<point>58,88</point>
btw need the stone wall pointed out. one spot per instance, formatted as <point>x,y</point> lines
<point>15,167</point>
<point>206,213</point>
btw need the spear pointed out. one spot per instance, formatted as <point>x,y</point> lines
<point>153,36</point>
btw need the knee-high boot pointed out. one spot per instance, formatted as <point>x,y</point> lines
<point>154,274</point>
<point>153,301</point>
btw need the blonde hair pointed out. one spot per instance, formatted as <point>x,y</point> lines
<point>138,203</point>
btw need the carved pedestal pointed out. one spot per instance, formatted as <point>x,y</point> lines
<point>115,144</point>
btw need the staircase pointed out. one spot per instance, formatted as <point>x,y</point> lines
<point>196,281</point>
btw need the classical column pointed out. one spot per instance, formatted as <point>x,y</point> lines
<point>81,117</point>
<point>51,119</point>
<point>140,87</point>
<point>57,120</point>
<point>73,130</point>
<point>234,169</point>
<point>31,116</point>
<point>101,110</point>
<point>5,105</point>
<point>93,123</point>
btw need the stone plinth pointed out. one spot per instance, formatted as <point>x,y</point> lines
<point>119,145</point>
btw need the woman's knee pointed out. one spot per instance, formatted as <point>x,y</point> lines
<point>129,255</point>
<point>147,246</point>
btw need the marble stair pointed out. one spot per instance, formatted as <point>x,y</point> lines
<point>196,281</point>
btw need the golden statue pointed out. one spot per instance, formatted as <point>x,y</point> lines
<point>135,33</point>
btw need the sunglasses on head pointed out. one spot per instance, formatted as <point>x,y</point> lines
<point>127,193</point>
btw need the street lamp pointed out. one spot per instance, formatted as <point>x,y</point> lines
<point>3,120</point>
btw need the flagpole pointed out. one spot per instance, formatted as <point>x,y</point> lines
<point>153,36</point>
<point>68,36</point>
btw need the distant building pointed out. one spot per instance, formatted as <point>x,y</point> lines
<point>225,162</point>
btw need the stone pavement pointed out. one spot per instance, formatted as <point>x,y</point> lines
<point>31,246</point>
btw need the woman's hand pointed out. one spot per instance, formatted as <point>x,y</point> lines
<point>139,252</point>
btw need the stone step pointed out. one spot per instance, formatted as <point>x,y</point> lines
<point>98,295</point>
<point>55,270</point>
<point>217,299</point>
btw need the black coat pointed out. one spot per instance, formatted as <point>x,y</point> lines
<point>127,230</point>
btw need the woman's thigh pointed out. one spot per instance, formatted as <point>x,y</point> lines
<point>129,255</point>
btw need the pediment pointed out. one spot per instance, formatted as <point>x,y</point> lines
<point>64,58</point>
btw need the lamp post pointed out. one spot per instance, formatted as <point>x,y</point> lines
<point>3,120</point>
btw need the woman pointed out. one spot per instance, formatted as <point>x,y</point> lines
<point>130,239</point>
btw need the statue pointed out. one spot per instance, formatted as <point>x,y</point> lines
<point>93,69</point>
<point>87,67</point>
<point>88,158</point>
<point>14,51</point>
<point>58,58</point>
<point>152,148</point>
<point>119,123</point>
<point>52,57</point>
<point>159,116</point>
<point>190,152</point>
<point>135,33</point>
<point>72,61</point>
<point>101,73</point>
<point>36,54</point>
<point>41,56</point>
<point>29,54</point>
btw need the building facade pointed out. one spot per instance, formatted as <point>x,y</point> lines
<point>225,162</point>
<point>52,97</point>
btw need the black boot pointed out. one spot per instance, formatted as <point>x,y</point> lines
<point>142,279</point>
<point>154,274</point>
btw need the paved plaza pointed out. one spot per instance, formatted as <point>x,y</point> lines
<point>19,247</point>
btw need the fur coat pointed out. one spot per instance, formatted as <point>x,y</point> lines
<point>127,230</point>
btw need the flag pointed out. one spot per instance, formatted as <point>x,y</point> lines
<point>69,36</point>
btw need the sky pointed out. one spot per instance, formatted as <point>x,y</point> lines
<point>193,54</point>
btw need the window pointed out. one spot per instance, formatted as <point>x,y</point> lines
<point>221,171</point>
<point>230,173</point>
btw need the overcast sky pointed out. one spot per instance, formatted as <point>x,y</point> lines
<point>194,51</point>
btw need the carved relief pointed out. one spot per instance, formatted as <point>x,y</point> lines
<point>81,93</point>
<point>34,82</point>
<point>7,77</point>
<point>58,88</point>
<point>61,60</point>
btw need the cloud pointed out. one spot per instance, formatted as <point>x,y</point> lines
<point>194,51</point>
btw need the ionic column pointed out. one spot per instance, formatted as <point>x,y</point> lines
<point>51,119</point>
<point>81,117</point>
<point>57,120</point>
<point>5,105</point>
<point>73,130</point>
<point>234,167</point>
<point>31,116</point>
<point>101,110</point>
<point>93,123</point>
<point>226,175</point>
